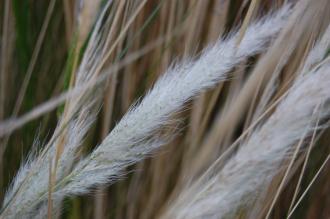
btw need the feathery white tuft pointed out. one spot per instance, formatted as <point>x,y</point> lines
<point>33,177</point>
<point>259,157</point>
<point>134,137</point>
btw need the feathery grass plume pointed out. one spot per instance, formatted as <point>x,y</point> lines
<point>220,192</point>
<point>141,49</point>
<point>319,51</point>
<point>80,114</point>
<point>133,138</point>
<point>314,58</point>
<point>307,19</point>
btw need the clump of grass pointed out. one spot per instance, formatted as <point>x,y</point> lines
<point>219,193</point>
<point>136,135</point>
<point>232,159</point>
